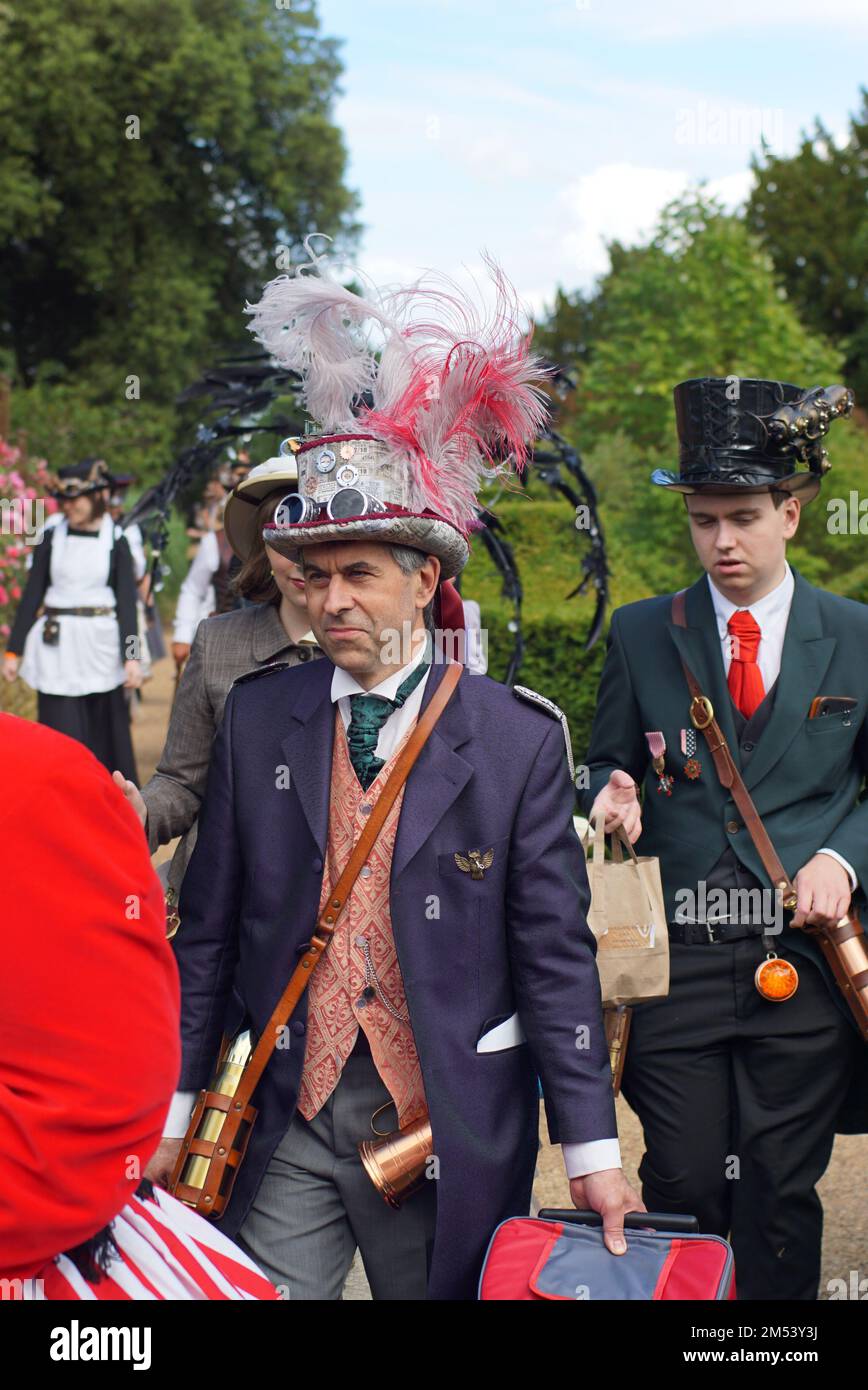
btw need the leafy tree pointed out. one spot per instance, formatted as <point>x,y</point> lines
<point>570,328</point>
<point>60,419</point>
<point>157,154</point>
<point>811,212</point>
<point>700,299</point>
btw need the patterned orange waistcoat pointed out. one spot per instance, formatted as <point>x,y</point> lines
<point>336,1006</point>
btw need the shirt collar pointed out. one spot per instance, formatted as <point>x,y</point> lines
<point>345,684</point>
<point>775,603</point>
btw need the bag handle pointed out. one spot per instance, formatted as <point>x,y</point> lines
<point>597,840</point>
<point>337,900</point>
<point>702,717</point>
<point>621,842</point>
<point>633,1220</point>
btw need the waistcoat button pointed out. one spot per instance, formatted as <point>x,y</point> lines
<point>732,826</point>
<point>747,747</point>
<point>365,871</point>
<point>366,808</point>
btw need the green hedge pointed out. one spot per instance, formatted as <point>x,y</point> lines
<point>548,554</point>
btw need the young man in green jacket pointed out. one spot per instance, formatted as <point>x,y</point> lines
<point>739,1093</point>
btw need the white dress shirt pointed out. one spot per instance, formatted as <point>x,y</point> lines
<point>579,1159</point>
<point>395,727</point>
<point>771,614</point>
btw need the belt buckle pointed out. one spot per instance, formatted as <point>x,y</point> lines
<point>711,927</point>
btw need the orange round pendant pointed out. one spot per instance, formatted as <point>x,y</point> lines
<point>776,979</point>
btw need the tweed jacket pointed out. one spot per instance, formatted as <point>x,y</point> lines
<point>224,648</point>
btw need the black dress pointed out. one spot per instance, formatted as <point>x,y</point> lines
<point>100,719</point>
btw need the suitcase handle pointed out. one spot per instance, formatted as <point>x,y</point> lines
<point>633,1220</point>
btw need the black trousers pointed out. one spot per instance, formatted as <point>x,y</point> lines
<point>738,1097</point>
<point>100,721</point>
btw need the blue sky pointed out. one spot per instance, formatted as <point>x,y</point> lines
<point>535,130</point>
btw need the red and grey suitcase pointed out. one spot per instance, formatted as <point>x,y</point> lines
<point>561,1255</point>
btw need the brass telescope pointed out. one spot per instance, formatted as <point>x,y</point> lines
<point>191,1169</point>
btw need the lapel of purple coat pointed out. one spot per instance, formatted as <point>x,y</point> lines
<point>438,778</point>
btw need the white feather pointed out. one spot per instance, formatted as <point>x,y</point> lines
<point>451,384</point>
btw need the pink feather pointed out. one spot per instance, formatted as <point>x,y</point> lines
<point>454,388</point>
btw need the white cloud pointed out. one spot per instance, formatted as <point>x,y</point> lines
<point>615,202</point>
<point>732,189</point>
<point>637,20</point>
<point>496,157</point>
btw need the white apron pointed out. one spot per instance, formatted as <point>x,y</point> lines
<point>87,659</point>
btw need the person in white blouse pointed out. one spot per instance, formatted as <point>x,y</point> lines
<point>74,639</point>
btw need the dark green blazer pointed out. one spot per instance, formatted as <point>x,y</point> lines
<point>806,776</point>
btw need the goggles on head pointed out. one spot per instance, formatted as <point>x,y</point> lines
<point>294,509</point>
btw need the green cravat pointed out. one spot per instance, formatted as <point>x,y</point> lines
<point>368,715</point>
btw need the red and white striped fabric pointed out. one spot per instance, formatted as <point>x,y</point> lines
<point>166,1251</point>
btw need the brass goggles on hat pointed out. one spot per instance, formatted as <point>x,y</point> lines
<point>293,509</point>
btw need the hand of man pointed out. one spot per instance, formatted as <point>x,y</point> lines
<point>180,652</point>
<point>619,803</point>
<point>10,667</point>
<point>609,1193</point>
<point>132,794</point>
<point>823,892</point>
<point>132,675</point>
<point>162,1165</point>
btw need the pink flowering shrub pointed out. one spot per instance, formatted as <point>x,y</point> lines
<point>24,483</point>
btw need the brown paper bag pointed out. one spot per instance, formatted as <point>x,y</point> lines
<point>628,917</point>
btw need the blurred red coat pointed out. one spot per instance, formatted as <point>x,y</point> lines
<point>89,1041</point>
<point>89,998</point>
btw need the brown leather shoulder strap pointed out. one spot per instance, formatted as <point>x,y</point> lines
<point>702,717</point>
<point>337,899</point>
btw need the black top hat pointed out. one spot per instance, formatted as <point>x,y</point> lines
<point>79,478</point>
<point>737,432</point>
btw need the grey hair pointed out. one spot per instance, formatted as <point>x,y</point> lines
<point>409,561</point>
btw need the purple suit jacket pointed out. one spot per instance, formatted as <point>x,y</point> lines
<point>493,775</point>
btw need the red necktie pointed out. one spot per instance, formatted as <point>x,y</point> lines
<point>745,678</point>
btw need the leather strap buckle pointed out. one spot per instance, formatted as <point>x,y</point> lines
<point>701,712</point>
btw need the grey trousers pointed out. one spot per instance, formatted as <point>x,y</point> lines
<point>316,1204</point>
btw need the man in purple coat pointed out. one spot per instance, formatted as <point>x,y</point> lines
<point>463,966</point>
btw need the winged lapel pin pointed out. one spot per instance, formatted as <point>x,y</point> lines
<point>476,862</point>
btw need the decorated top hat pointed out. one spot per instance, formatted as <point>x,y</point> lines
<point>91,475</point>
<point>455,397</point>
<point>277,475</point>
<point>739,433</point>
